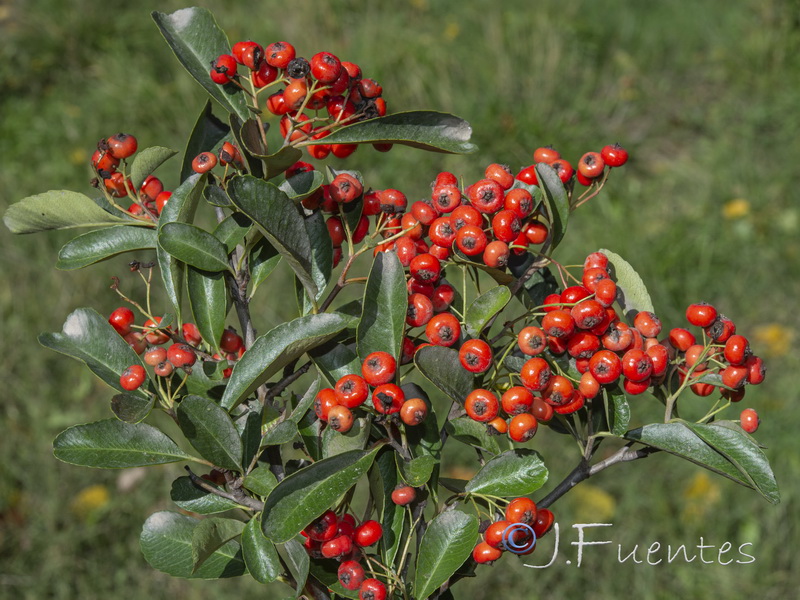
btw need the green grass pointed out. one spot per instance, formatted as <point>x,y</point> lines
<point>703,97</point>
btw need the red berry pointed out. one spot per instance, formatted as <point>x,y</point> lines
<point>378,368</point>
<point>471,240</point>
<point>155,355</point>
<point>121,320</point>
<point>521,510</point>
<point>351,390</point>
<point>324,527</point>
<point>121,145</point>
<point>701,314</point>
<point>496,254</point>
<point>132,377</point>
<point>351,575</point>
<point>279,54</point>
<point>388,398</point>
<point>506,225</point>
<point>483,553</point>
<point>481,405</point>
<point>532,340</point>
<point>326,399</point>
<point>181,355</point>
<point>749,420</point>
<point>368,533</point>
<point>520,201</point>
<point>558,323</point>
<point>230,341</point>
<point>403,494</point>
<point>223,69</point>
<point>591,165</point>
<point>475,356</point>
<point>487,196</point>
<point>516,400</point>
<point>605,366</point>
<point>413,411</point>
<point>443,330</point>
<point>647,323</point>
<point>203,162</point>
<point>563,169</point>
<point>737,349</point>
<point>614,155</point>
<point>546,154</point>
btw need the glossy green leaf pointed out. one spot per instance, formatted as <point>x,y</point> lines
<point>335,360</point>
<point>284,428</point>
<point>249,429</point>
<point>146,161</point>
<point>620,412</point>
<point>631,292</point>
<point>87,336</point>
<point>446,544</point>
<point>383,317</point>
<point>510,474</point>
<point>276,349</point>
<point>194,246</point>
<point>443,369</point>
<point>216,196</point>
<point>246,138</point>
<point>298,562</point>
<point>556,201</point>
<point>321,259</point>
<point>131,408</point>
<point>208,298</point>
<point>101,244</point>
<point>743,454</point>
<point>261,481</point>
<point>680,440</point>
<point>180,208</point>
<point>310,429</point>
<point>281,160</point>
<point>232,230</point>
<point>334,443</point>
<point>278,219</point>
<point>538,286</point>
<point>251,139</point>
<point>211,432</point>
<point>206,379</point>
<point>428,130</point>
<point>417,471</point>
<point>383,478</point>
<point>208,132</point>
<point>301,186</point>
<point>484,307</point>
<point>472,433</point>
<point>307,493</point>
<point>59,209</point>
<point>260,555</point>
<point>194,499</point>
<point>211,534</point>
<point>197,40</point>
<point>113,444</point>
<point>166,543</point>
<point>263,260</point>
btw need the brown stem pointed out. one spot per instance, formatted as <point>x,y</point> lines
<point>236,495</point>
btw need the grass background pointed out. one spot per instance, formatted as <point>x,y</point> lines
<point>705,97</point>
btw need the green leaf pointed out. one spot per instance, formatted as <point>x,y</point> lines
<point>101,244</point>
<point>249,428</point>
<point>307,493</point>
<point>334,360</point>
<point>60,209</point>
<point>194,499</point>
<point>428,130</point>
<point>620,412</point>
<point>278,219</point>
<point>310,429</point>
<point>417,471</point>
<point>166,543</point>
<point>280,161</point>
<point>631,292</point>
<point>383,478</point>
<point>301,186</point>
<point>556,201</point>
<point>443,369</point>
<point>207,133</point>
<point>197,40</point>
<point>211,534</point>
<point>471,433</point>
<point>283,429</point>
<point>211,432</point>
<point>383,317</point>
<point>297,560</point>
<point>232,230</point>
<point>194,246</point>
<point>680,440</point>
<point>510,474</point>
<point>334,443</point>
<point>259,553</point>
<point>484,307</point>
<point>743,454</point>
<point>131,408</point>
<point>87,336</point>
<point>112,444</point>
<point>208,298</point>
<point>250,138</point>
<point>276,349</point>
<point>261,481</point>
<point>263,260</point>
<point>250,146</point>
<point>146,161</point>
<point>180,208</point>
<point>321,259</point>
<point>446,544</point>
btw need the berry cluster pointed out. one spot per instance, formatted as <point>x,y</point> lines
<point>334,90</point>
<point>342,539</point>
<point>518,532</point>
<point>149,199</point>
<point>149,340</point>
<point>335,405</point>
<point>591,165</point>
